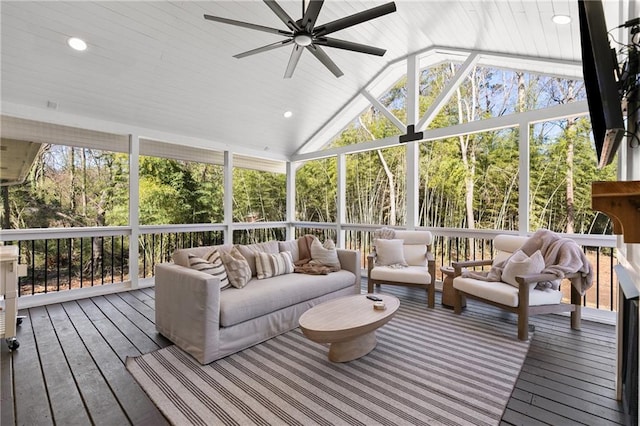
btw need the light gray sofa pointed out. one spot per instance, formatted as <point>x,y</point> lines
<point>210,324</point>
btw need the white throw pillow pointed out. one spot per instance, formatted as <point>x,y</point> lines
<point>322,255</point>
<point>389,252</point>
<point>521,264</point>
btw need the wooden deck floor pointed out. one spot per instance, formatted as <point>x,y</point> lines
<point>69,369</point>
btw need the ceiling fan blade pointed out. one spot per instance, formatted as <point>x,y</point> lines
<point>271,46</point>
<point>293,60</point>
<point>326,61</point>
<point>354,19</point>
<point>349,45</point>
<point>311,15</point>
<point>284,16</point>
<point>247,25</point>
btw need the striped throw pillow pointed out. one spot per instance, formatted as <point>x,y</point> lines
<point>270,265</point>
<point>211,264</point>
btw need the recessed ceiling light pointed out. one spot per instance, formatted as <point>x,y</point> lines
<point>288,114</point>
<point>561,19</point>
<point>77,44</point>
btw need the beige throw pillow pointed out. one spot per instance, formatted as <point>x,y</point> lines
<point>237,268</point>
<point>271,265</point>
<point>323,255</point>
<point>521,264</point>
<point>390,252</point>
<point>211,264</point>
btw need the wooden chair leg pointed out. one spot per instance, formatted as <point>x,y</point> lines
<point>523,315</point>
<point>431,295</point>
<point>457,301</point>
<point>576,315</point>
<point>369,285</point>
<point>523,326</point>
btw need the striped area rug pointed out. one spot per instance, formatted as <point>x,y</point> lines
<point>430,367</point>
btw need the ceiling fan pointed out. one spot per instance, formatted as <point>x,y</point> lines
<point>304,33</point>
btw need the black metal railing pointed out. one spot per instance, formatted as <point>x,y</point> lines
<point>57,264</point>
<point>93,257</point>
<point>158,247</point>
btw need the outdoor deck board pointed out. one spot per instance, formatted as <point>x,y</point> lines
<point>100,403</point>
<point>6,402</point>
<point>137,406</point>
<point>31,402</point>
<point>566,379</point>
<point>64,396</point>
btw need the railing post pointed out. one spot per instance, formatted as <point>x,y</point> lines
<point>290,216</point>
<point>228,197</point>
<point>341,215</point>
<point>134,216</point>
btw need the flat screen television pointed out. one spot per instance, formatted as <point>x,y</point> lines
<point>600,68</point>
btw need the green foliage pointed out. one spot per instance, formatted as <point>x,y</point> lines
<point>316,191</point>
<point>258,196</point>
<point>461,179</point>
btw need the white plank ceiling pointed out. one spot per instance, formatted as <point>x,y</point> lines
<point>159,65</point>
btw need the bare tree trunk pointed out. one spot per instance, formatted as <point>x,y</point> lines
<point>6,208</point>
<point>467,152</point>
<point>390,178</point>
<point>521,92</point>
<point>84,182</point>
<point>571,122</point>
<point>72,172</point>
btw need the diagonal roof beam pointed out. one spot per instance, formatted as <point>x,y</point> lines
<point>448,91</point>
<point>383,109</point>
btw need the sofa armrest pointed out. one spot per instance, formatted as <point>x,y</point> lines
<point>188,308</point>
<point>350,261</point>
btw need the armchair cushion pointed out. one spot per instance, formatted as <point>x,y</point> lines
<point>506,245</point>
<point>521,264</point>
<point>389,252</point>
<point>503,293</point>
<point>410,274</point>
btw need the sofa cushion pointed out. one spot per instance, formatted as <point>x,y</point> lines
<point>261,297</point>
<point>237,268</point>
<point>324,254</point>
<point>389,252</point>
<point>211,265</point>
<point>290,246</point>
<point>249,252</point>
<point>521,264</point>
<point>271,265</point>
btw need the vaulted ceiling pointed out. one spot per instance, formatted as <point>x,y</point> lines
<point>159,67</point>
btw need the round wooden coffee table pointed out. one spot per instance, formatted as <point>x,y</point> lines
<point>348,323</point>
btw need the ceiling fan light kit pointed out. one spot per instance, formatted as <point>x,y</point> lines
<point>304,33</point>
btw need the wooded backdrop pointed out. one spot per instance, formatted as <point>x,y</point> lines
<point>470,181</point>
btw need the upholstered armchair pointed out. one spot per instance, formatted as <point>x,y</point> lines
<point>519,275</point>
<point>405,260</point>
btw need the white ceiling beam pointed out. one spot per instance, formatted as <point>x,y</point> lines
<point>558,112</point>
<point>448,91</point>
<point>383,109</point>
